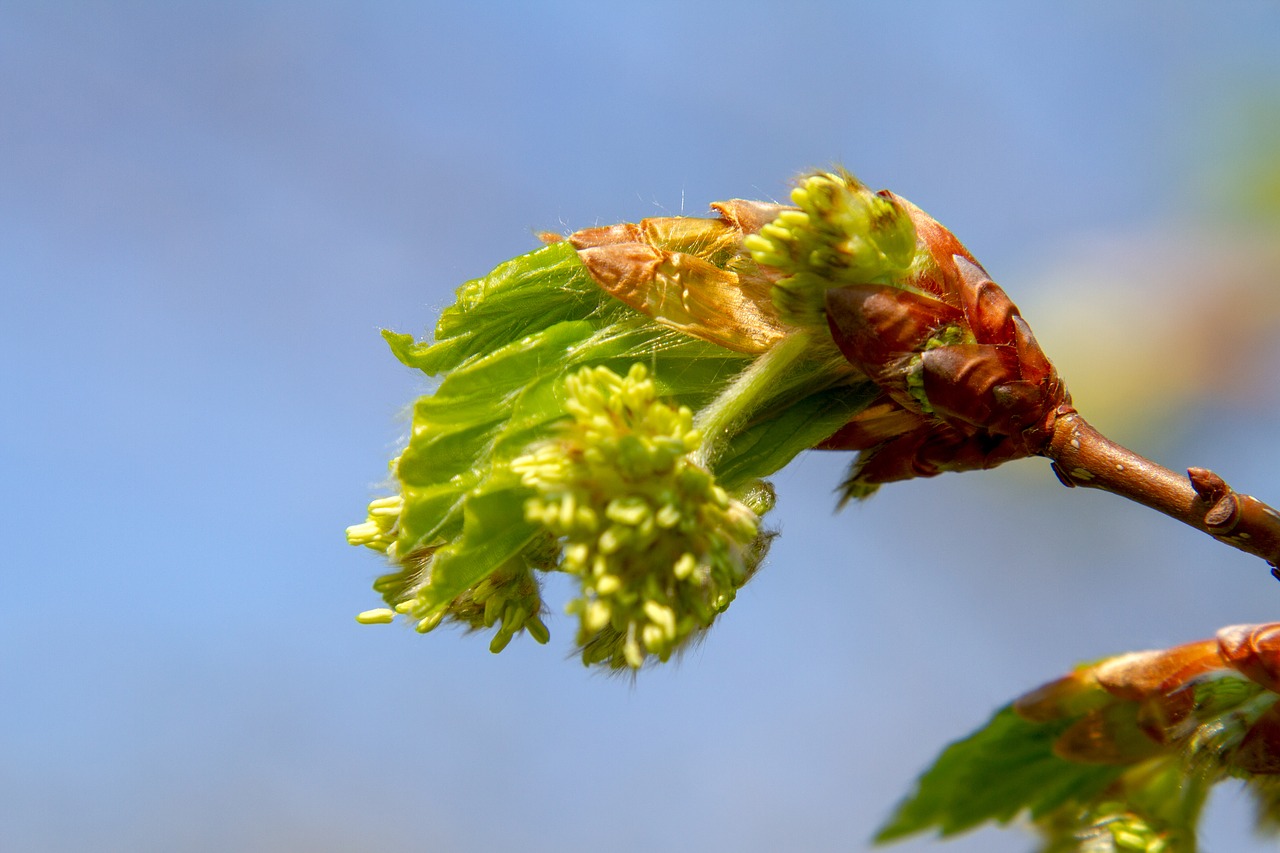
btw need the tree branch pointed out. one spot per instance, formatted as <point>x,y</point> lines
<point>1082,456</point>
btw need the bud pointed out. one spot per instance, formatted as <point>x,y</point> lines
<point>1120,754</point>
<point>851,320</point>
<point>964,383</point>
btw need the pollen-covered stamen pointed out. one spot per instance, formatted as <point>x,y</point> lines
<point>378,531</point>
<point>508,599</point>
<point>376,616</point>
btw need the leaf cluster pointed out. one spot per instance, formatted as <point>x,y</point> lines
<point>504,352</point>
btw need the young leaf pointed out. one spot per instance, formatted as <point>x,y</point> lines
<point>537,450</point>
<point>1120,754</point>
<point>1003,769</point>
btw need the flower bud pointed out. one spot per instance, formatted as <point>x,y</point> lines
<point>842,234</point>
<point>965,384</point>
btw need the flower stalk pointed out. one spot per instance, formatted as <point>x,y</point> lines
<point>748,392</point>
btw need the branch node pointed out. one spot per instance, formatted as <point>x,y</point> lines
<point>1222,516</point>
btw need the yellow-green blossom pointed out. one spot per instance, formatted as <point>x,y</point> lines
<point>660,548</point>
<point>843,233</point>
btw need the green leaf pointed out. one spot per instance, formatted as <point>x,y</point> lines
<point>407,349</point>
<point>454,429</point>
<point>519,298</point>
<point>493,531</point>
<point>482,388</point>
<point>996,773</point>
<point>430,515</point>
<point>771,442</point>
<point>686,370</point>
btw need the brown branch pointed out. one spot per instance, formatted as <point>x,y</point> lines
<point>1082,456</point>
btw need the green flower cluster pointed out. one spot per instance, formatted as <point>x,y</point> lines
<point>660,548</point>
<point>843,233</point>
<point>509,597</point>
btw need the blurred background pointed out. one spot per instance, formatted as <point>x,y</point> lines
<point>209,210</point>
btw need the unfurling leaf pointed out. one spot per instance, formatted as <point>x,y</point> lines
<point>1118,755</point>
<point>1003,769</point>
<point>614,429</point>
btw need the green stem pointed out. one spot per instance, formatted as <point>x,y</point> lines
<point>756,385</point>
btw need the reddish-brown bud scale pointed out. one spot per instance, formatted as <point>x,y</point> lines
<point>877,423</point>
<point>1253,651</point>
<point>1141,675</point>
<point>882,325</point>
<point>949,346</point>
<point>1137,705</point>
<point>942,247</point>
<point>987,307</point>
<point>1108,735</point>
<point>674,270</point>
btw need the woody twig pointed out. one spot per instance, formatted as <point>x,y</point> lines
<point>1082,456</point>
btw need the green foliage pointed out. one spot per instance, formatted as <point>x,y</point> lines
<point>608,407</point>
<point>1003,769</point>
<point>1098,766</point>
<point>537,452</point>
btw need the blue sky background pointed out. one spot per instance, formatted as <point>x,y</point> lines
<point>208,211</point>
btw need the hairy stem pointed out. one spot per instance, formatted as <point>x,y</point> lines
<point>753,387</point>
<point>1082,456</point>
